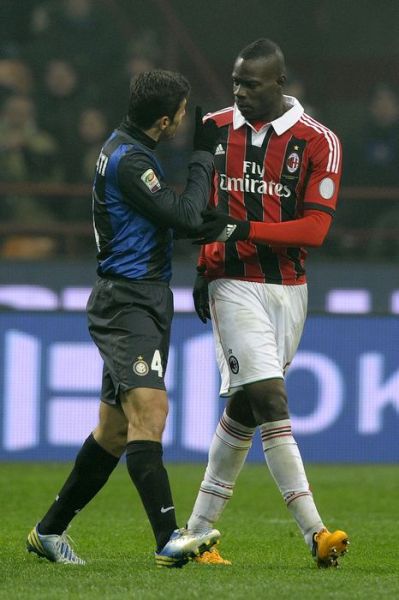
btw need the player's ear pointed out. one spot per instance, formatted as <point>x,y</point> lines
<point>164,122</point>
<point>281,80</point>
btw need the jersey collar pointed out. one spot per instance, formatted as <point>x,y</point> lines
<point>137,134</point>
<point>280,125</point>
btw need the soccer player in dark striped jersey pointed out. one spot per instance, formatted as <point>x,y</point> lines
<point>275,188</point>
<point>130,311</point>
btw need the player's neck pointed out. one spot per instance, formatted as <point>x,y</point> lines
<point>273,114</point>
<point>257,124</point>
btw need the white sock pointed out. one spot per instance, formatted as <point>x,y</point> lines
<point>285,464</point>
<point>228,451</point>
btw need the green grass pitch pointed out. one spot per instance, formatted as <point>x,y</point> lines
<point>270,560</point>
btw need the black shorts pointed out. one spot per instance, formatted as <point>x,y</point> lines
<point>130,324</point>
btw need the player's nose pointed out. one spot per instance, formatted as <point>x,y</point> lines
<point>239,92</point>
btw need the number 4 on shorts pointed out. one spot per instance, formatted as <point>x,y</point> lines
<point>156,363</point>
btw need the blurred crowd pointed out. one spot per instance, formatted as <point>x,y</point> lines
<point>65,68</point>
<point>61,86</point>
<point>370,222</point>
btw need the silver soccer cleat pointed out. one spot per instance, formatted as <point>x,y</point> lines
<point>56,548</point>
<point>183,545</point>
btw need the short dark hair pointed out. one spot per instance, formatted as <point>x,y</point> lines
<point>262,48</point>
<point>154,94</point>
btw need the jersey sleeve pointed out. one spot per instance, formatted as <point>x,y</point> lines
<point>325,160</point>
<point>145,192</point>
<point>310,230</point>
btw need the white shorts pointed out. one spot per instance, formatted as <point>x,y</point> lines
<point>257,329</point>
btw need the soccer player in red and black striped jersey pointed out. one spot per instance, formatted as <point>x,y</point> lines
<point>276,181</point>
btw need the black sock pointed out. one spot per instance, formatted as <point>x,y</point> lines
<point>93,466</point>
<point>145,466</point>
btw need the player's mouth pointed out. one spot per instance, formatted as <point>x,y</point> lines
<point>244,108</point>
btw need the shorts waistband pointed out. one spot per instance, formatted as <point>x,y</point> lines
<point>108,277</point>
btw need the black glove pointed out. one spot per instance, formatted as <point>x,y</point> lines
<point>206,135</point>
<point>201,297</point>
<point>220,227</point>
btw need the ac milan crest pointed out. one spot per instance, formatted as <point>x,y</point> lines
<point>293,162</point>
<point>233,363</point>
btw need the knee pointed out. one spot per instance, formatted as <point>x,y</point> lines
<point>239,409</point>
<point>146,411</point>
<point>112,440</point>
<point>268,400</point>
<point>149,424</point>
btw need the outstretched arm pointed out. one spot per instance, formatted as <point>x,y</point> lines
<point>310,230</point>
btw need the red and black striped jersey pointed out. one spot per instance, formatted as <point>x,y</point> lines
<point>270,174</point>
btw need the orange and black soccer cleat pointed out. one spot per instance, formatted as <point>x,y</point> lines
<point>328,547</point>
<point>211,557</point>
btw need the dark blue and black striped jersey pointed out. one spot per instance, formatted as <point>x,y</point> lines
<point>135,212</point>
